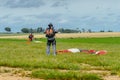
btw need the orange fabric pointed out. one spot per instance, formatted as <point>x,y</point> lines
<point>62,51</point>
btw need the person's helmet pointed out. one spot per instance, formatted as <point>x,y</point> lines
<point>50,25</point>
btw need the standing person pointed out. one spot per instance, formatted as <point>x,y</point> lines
<point>30,37</point>
<point>50,34</point>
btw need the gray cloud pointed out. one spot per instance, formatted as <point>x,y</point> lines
<point>111,14</point>
<point>5,16</point>
<point>23,3</point>
<point>60,3</point>
<point>85,17</point>
<point>46,16</point>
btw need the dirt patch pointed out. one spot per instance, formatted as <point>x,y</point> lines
<point>7,73</point>
<point>106,74</point>
<point>14,77</point>
<point>111,78</point>
<point>69,35</point>
<point>102,34</point>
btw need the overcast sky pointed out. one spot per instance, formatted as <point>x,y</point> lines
<point>89,14</point>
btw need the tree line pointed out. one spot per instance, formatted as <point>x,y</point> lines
<point>26,30</point>
<point>60,30</point>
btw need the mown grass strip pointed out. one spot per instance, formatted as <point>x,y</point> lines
<point>58,75</point>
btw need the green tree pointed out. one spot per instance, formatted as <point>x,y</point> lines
<point>8,29</point>
<point>102,31</point>
<point>25,30</point>
<point>89,30</point>
<point>39,29</point>
<point>31,30</point>
<point>61,30</point>
<point>83,30</point>
<point>110,31</point>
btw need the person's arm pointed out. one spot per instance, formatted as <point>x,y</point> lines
<point>45,31</point>
<point>55,31</point>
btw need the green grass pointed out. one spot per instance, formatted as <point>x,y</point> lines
<point>32,56</point>
<point>58,75</point>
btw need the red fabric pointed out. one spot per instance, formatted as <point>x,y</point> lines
<point>63,51</point>
<point>92,51</point>
<point>101,52</point>
<point>85,51</point>
<point>89,51</point>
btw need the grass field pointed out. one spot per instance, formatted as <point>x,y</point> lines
<point>32,58</point>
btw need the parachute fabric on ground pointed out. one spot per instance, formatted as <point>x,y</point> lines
<point>37,41</point>
<point>101,52</point>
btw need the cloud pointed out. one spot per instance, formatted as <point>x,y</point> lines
<point>52,16</point>
<point>85,17</point>
<point>24,3</point>
<point>63,21</point>
<point>111,14</point>
<point>44,18</point>
<point>33,3</point>
<point>59,3</point>
<point>10,19</point>
<point>5,16</point>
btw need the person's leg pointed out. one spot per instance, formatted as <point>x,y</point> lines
<point>48,47</point>
<point>31,39</point>
<point>54,47</point>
